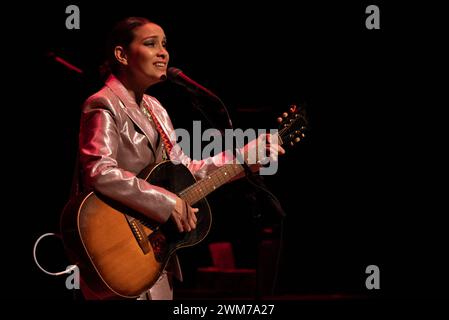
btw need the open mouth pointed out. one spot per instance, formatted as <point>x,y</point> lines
<point>161,65</point>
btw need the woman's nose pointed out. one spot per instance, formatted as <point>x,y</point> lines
<point>163,52</point>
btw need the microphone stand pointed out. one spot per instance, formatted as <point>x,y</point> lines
<point>256,181</point>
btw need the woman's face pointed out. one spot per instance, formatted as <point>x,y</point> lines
<point>147,55</point>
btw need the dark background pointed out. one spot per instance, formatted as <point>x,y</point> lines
<point>359,190</point>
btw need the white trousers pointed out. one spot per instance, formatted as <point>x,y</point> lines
<point>161,290</point>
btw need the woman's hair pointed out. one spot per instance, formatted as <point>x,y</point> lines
<point>122,35</point>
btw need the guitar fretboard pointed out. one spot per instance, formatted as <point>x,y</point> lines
<point>216,179</point>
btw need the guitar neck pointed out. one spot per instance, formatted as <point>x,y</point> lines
<point>219,177</point>
<point>216,179</point>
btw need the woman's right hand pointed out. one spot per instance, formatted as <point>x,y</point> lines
<point>184,216</point>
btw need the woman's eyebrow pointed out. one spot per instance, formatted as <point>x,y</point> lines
<point>154,37</point>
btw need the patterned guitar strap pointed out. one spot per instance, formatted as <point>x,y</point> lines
<point>167,146</point>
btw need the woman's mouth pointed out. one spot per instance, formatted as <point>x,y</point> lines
<point>161,65</point>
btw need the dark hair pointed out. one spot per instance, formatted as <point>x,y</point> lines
<point>122,35</point>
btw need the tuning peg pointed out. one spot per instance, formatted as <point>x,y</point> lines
<point>293,108</point>
<point>279,119</point>
<point>285,114</point>
<point>292,143</point>
<point>297,139</point>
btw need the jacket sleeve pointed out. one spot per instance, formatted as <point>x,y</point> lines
<point>199,168</point>
<point>98,143</point>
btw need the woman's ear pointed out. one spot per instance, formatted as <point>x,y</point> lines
<point>120,55</point>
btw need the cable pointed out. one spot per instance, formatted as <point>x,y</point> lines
<point>72,267</point>
<point>278,259</point>
<point>257,182</point>
<point>254,180</point>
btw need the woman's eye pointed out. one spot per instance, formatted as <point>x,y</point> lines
<point>150,44</point>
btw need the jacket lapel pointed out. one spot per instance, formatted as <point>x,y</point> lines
<point>130,107</point>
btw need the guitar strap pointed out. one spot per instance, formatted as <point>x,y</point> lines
<point>168,146</point>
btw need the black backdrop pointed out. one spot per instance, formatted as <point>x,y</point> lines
<point>356,192</point>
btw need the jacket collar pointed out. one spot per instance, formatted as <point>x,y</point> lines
<point>130,107</point>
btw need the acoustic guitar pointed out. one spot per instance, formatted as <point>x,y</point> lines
<point>119,252</point>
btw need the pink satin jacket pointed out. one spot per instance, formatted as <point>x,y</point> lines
<point>117,141</point>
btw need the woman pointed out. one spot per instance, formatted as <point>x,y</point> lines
<point>119,136</point>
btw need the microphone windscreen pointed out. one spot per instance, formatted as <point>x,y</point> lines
<point>173,72</point>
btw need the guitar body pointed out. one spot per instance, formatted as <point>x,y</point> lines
<point>118,252</point>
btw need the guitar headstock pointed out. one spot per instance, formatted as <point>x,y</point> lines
<point>292,126</point>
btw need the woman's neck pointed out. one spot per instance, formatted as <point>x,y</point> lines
<point>134,88</point>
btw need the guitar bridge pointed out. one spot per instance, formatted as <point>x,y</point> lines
<point>139,234</point>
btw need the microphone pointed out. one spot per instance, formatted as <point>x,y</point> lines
<point>177,76</point>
